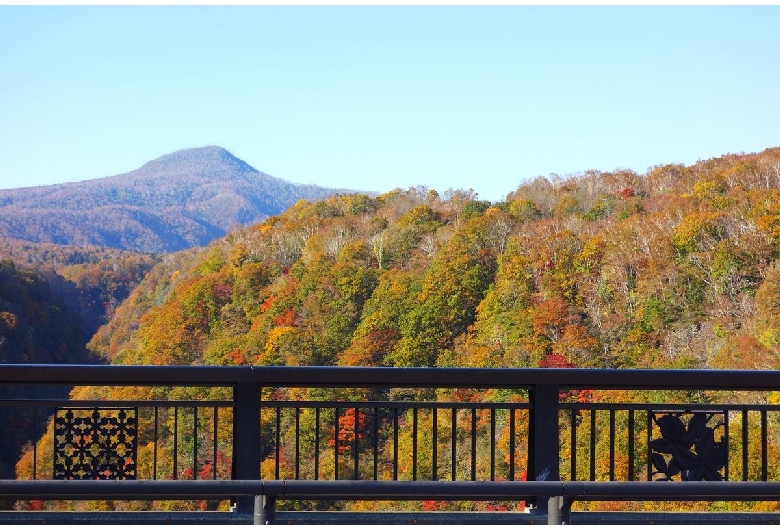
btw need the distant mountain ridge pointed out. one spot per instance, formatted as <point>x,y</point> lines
<point>179,200</point>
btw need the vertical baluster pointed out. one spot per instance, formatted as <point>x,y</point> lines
<point>474,444</point>
<point>414,443</point>
<point>297,443</point>
<point>316,443</point>
<point>215,437</point>
<point>727,448</point>
<point>376,443</point>
<point>454,436</point>
<point>175,443</point>
<point>154,450</point>
<point>630,444</point>
<point>763,447</point>
<point>593,444</point>
<point>195,442</point>
<point>355,443</point>
<point>336,447</point>
<point>612,444</point>
<point>573,442</point>
<point>435,443</point>
<point>492,444</point>
<point>744,444</point>
<point>512,413</point>
<point>649,450</point>
<point>395,443</point>
<point>277,441</point>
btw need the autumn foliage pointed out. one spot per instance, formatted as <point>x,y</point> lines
<point>675,268</point>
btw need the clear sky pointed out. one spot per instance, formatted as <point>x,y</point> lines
<point>379,97</point>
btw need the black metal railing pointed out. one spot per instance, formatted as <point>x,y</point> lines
<point>110,439</point>
<point>444,439</point>
<point>415,424</point>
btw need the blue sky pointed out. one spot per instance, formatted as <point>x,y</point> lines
<point>379,97</point>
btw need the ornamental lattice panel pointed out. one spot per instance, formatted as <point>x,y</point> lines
<point>95,443</point>
<point>689,450</point>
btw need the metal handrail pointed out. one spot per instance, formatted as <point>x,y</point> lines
<point>561,494</point>
<point>542,387</point>
<point>329,376</point>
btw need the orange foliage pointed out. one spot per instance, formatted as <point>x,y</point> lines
<point>350,426</point>
<point>288,318</point>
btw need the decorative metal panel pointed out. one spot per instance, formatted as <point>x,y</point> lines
<point>690,449</point>
<point>95,443</point>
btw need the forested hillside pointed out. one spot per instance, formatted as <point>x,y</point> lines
<point>36,326</point>
<point>92,281</point>
<point>179,200</point>
<point>674,268</point>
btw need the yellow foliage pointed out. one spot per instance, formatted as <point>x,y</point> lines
<point>273,352</point>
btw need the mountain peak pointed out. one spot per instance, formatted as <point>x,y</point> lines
<point>209,161</point>
<point>178,200</point>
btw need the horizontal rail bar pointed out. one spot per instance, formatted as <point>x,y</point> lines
<point>385,490</point>
<point>100,375</point>
<point>463,405</point>
<point>352,518</point>
<point>669,407</point>
<point>109,403</point>
<point>384,377</point>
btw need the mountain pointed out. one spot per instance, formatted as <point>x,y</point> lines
<point>180,200</point>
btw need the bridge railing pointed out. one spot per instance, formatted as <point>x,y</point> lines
<point>391,424</point>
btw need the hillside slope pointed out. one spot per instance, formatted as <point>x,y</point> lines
<point>676,268</point>
<point>179,200</point>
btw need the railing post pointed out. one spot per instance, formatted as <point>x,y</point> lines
<point>265,510</point>
<point>559,510</point>
<point>543,440</point>
<point>247,447</point>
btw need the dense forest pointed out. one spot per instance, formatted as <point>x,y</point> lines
<point>675,268</point>
<point>92,281</point>
<point>179,200</point>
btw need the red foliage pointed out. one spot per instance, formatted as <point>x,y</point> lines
<point>553,360</point>
<point>288,318</point>
<point>224,465</point>
<point>484,256</point>
<point>434,506</point>
<point>348,429</point>
<point>36,505</point>
<point>625,193</point>
<point>238,357</point>
<point>206,471</point>
<point>266,305</point>
<point>583,396</point>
